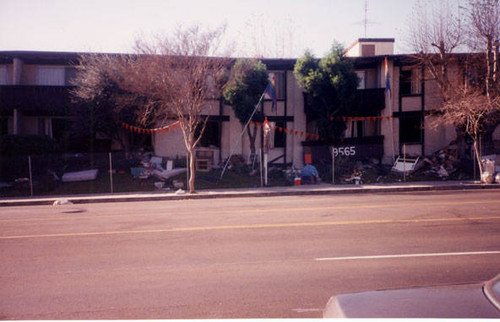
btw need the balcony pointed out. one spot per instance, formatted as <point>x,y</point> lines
<point>35,100</point>
<point>370,102</point>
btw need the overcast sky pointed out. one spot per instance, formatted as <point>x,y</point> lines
<point>267,27</point>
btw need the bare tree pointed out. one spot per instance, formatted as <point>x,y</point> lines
<point>484,31</point>
<point>471,110</point>
<point>180,77</point>
<point>266,36</point>
<point>440,29</point>
<point>435,33</point>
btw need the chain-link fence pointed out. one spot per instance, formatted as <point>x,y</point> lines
<point>78,173</point>
<point>67,174</point>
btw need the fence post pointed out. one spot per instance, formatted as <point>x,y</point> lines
<point>30,174</point>
<point>333,167</point>
<point>260,167</point>
<point>404,162</point>
<point>111,172</point>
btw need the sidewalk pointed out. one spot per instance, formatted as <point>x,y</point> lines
<point>320,189</point>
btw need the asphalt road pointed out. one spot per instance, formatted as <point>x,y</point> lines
<point>280,257</point>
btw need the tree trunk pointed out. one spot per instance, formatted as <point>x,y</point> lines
<point>478,157</point>
<point>192,169</point>
<point>251,139</point>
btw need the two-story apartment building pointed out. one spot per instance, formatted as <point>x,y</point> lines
<point>395,100</point>
<point>34,92</point>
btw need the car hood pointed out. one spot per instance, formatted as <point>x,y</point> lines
<point>454,301</point>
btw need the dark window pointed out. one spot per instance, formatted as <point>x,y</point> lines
<point>411,129</point>
<point>279,136</point>
<point>367,50</point>
<point>59,128</point>
<point>405,81</point>
<point>41,126</point>
<point>4,126</point>
<point>360,129</point>
<point>279,79</point>
<point>70,75</point>
<point>211,137</point>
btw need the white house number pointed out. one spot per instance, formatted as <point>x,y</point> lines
<point>344,151</point>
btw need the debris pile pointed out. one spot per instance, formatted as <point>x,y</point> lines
<point>153,166</point>
<point>442,164</point>
<point>491,171</point>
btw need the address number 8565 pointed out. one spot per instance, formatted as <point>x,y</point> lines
<point>344,151</point>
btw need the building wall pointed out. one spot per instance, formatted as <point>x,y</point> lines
<point>171,145</point>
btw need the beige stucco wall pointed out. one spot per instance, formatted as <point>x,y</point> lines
<point>435,136</point>
<point>411,103</point>
<point>381,48</point>
<point>296,107</point>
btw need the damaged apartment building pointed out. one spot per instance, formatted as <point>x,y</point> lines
<point>395,97</point>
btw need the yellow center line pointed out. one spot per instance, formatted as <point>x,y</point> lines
<point>254,226</point>
<point>264,210</point>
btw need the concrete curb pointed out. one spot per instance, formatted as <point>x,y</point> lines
<point>246,193</point>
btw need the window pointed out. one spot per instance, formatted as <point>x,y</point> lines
<point>279,136</point>
<point>362,79</point>
<point>409,82</point>
<point>211,137</point>
<point>52,76</point>
<point>410,129</point>
<point>44,126</point>
<point>367,50</point>
<point>70,75</point>
<point>405,82</point>
<point>3,75</point>
<point>4,126</point>
<point>279,81</point>
<point>59,128</point>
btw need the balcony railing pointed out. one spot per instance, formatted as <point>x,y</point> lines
<point>370,102</point>
<point>48,100</point>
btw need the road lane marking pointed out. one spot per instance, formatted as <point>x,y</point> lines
<point>253,226</point>
<point>406,256</point>
<point>262,211</point>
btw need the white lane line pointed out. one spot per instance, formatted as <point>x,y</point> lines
<point>406,256</point>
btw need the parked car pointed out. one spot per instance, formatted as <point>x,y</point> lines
<point>479,300</point>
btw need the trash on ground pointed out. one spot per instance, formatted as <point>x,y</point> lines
<point>405,165</point>
<point>153,166</point>
<point>62,202</point>
<point>85,175</point>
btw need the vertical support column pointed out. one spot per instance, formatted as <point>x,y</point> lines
<point>17,69</point>
<point>15,123</point>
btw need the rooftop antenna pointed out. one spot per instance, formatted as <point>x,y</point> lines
<point>366,15</point>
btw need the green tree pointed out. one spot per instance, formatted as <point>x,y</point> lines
<point>244,92</point>
<point>330,85</point>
